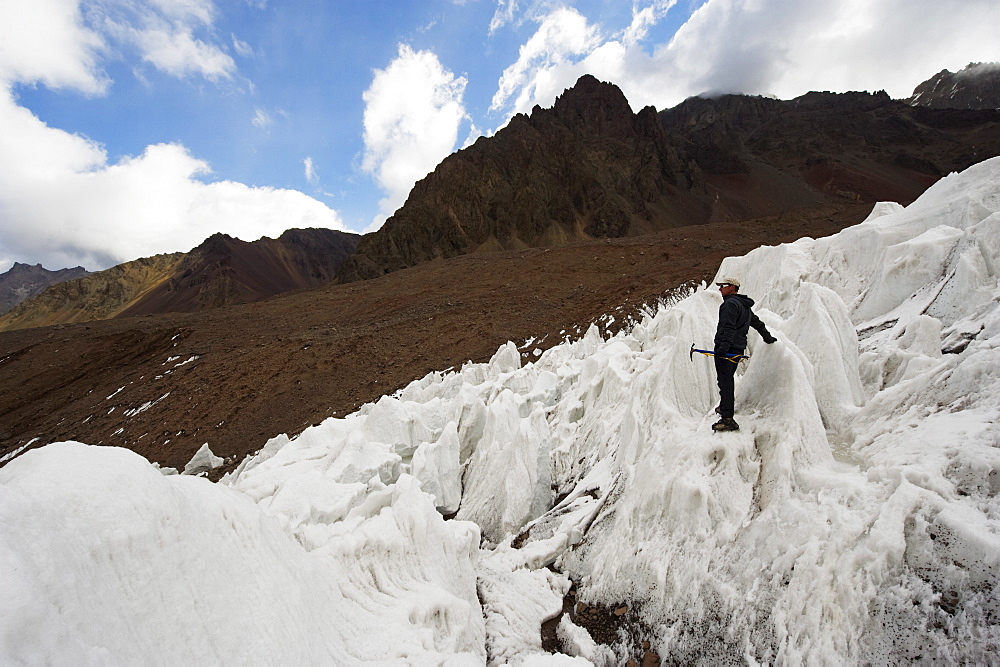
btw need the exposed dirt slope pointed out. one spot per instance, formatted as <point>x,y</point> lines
<point>236,376</point>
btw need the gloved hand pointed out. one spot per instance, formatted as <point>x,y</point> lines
<point>722,349</point>
<point>770,339</point>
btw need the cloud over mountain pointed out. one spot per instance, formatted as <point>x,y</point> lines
<point>66,200</point>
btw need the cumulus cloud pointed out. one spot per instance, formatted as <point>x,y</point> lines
<point>165,33</point>
<point>544,59</point>
<point>64,204</point>
<point>413,112</point>
<point>774,47</point>
<point>45,41</point>
<point>787,48</point>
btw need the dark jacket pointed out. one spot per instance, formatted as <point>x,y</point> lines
<point>735,319</point>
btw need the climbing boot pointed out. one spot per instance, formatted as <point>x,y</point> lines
<point>726,424</point>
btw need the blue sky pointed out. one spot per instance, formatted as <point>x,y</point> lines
<point>135,127</point>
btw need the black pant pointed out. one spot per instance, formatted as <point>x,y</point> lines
<point>725,371</point>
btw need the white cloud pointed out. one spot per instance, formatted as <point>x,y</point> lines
<point>61,201</point>
<point>543,61</point>
<point>177,52</point>
<point>45,41</point>
<point>63,204</point>
<point>413,111</point>
<point>780,47</point>
<point>310,171</point>
<point>644,18</point>
<point>788,48</point>
<point>503,15</point>
<point>241,47</point>
<point>164,33</point>
<point>261,119</point>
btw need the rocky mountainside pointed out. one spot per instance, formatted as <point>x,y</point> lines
<point>98,296</point>
<point>586,168</point>
<point>24,281</point>
<point>760,153</point>
<point>591,168</point>
<point>977,86</point>
<point>221,271</point>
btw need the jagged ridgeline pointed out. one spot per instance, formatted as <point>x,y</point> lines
<point>590,167</point>
<point>977,86</point>
<point>24,281</point>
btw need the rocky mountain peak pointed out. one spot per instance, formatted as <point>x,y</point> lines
<point>20,268</point>
<point>588,167</point>
<point>599,106</point>
<point>24,281</point>
<point>217,244</point>
<point>977,86</point>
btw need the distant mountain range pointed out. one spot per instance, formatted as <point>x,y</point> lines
<point>221,271</point>
<point>590,167</point>
<point>587,168</point>
<point>24,281</point>
<point>977,86</point>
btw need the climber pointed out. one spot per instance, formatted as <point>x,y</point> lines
<point>735,319</point>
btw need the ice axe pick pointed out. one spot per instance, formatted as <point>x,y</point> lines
<point>735,358</point>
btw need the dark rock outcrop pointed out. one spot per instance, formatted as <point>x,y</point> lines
<point>762,153</point>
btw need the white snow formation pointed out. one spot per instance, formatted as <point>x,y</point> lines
<point>853,518</point>
<point>202,461</point>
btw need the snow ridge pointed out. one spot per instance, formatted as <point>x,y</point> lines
<point>854,517</point>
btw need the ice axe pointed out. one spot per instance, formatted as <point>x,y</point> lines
<point>735,358</point>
